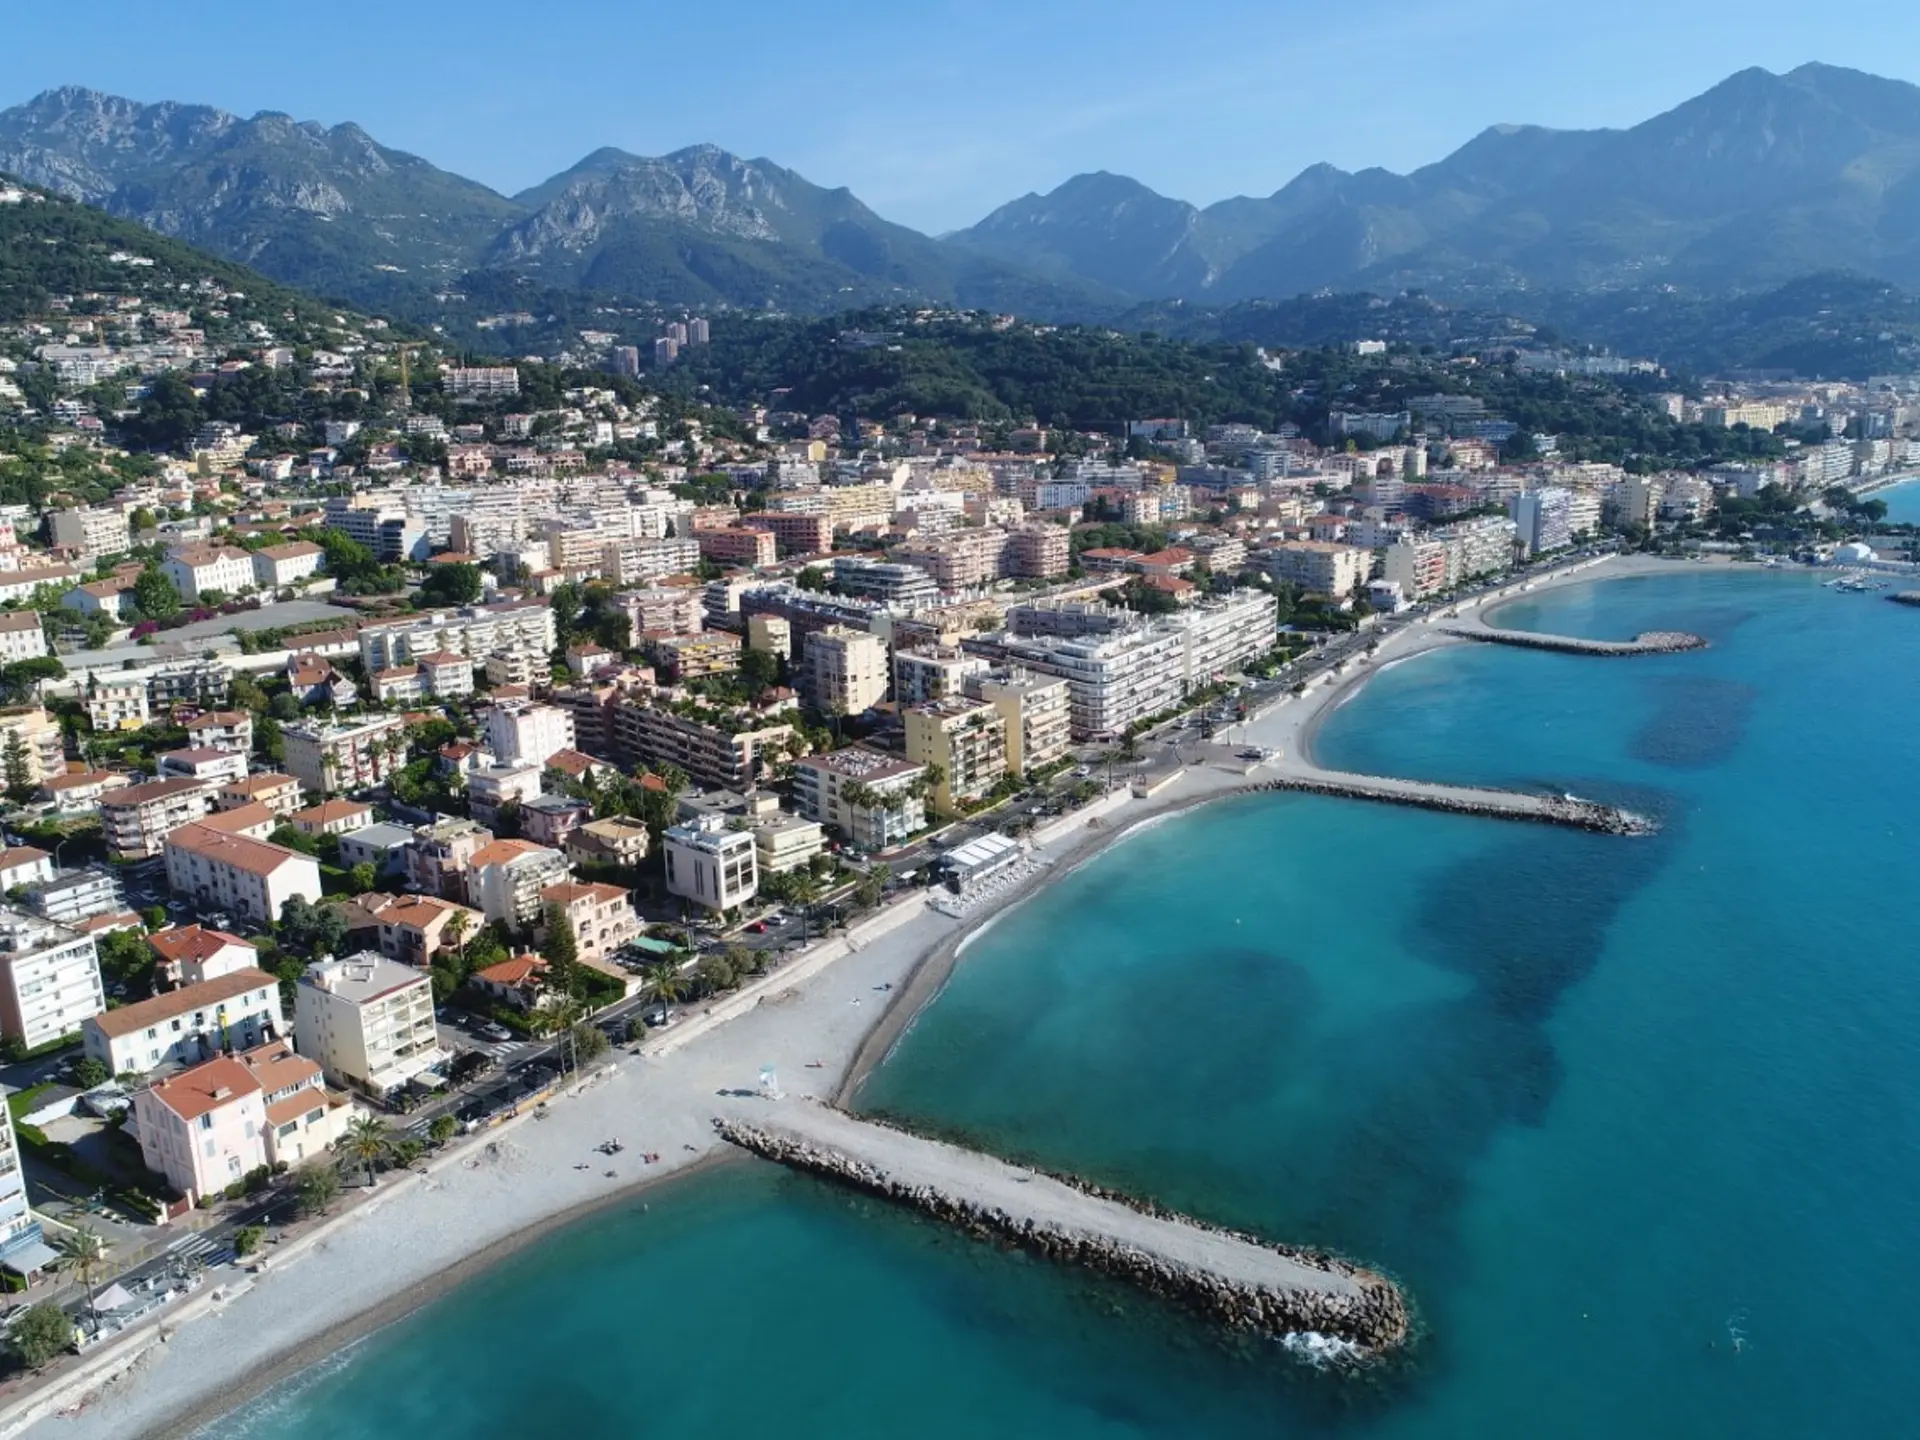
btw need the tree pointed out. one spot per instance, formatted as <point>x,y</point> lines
<point>42,1333</point>
<point>362,877</point>
<point>442,1129</point>
<point>759,670</point>
<point>663,984</point>
<point>312,930</point>
<point>155,594</point>
<point>89,1072</point>
<point>18,767</point>
<point>456,584</point>
<point>367,1141</point>
<point>318,1185</point>
<point>247,1239</point>
<point>562,952</point>
<point>82,1254</point>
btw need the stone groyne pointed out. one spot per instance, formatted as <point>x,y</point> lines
<point>1905,597</point>
<point>1653,642</point>
<point>1233,1279</point>
<point>1461,800</point>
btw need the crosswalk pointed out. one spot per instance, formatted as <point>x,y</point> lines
<point>201,1250</point>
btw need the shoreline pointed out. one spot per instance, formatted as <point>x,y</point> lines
<point>295,1317</point>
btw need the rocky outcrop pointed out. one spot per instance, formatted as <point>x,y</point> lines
<point>1653,642</point>
<point>1487,804</point>
<point>1361,1312</point>
<point>1905,597</point>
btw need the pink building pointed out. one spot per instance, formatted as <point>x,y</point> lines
<point>204,1128</point>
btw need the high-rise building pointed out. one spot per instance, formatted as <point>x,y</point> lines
<point>846,670</point>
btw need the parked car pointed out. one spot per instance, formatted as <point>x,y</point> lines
<point>494,1030</point>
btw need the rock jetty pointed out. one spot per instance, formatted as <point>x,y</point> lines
<point>1653,642</point>
<point>1564,810</point>
<point>1234,1279</point>
<point>1905,597</point>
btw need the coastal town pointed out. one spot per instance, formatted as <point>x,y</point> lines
<point>393,737</point>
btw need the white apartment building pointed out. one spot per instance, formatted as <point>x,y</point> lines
<point>49,979</point>
<point>523,628</point>
<point>637,562</point>
<point>1320,566</point>
<point>712,864</point>
<point>505,878</point>
<point>480,382</point>
<point>219,870</point>
<point>22,637</point>
<point>187,1026</point>
<point>93,532</point>
<point>196,569</point>
<point>933,673</point>
<point>279,565</point>
<point>137,819</point>
<point>846,670</point>
<point>1225,632</point>
<point>21,1246</point>
<point>491,789</point>
<point>874,799</point>
<point>1112,680</point>
<point>328,759</point>
<point>529,734</point>
<point>967,740</point>
<point>40,733</point>
<point>367,1021</point>
<point>1544,518</point>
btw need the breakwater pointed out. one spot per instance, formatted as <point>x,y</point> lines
<point>1652,642</point>
<point>1564,810</point>
<point>1233,1279</point>
<point>1905,597</point>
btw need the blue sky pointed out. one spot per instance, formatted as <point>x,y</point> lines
<point>936,112</point>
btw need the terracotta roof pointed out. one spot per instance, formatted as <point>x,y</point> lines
<point>100,924</point>
<point>242,817</point>
<point>330,810</point>
<point>505,852</point>
<point>192,942</point>
<point>198,754</point>
<point>516,971</point>
<point>418,911</point>
<point>18,855</point>
<point>259,784</point>
<point>79,780</point>
<point>20,620</point>
<point>138,1016</point>
<point>275,1065</point>
<point>153,790</point>
<point>206,1088</point>
<point>568,891</point>
<point>574,762</point>
<point>242,852</point>
<point>225,719</point>
<point>292,551</point>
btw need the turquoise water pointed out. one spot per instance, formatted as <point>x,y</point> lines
<point>1606,1106</point>
<point>1903,502</point>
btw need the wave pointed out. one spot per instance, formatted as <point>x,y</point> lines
<point>1322,1352</point>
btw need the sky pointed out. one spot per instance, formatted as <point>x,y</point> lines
<point>937,112</point>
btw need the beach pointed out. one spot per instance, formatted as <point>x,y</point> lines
<point>423,1233</point>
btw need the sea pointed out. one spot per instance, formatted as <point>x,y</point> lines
<point>1636,1121</point>
<point>1903,502</point>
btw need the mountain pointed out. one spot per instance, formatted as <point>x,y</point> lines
<point>329,210</point>
<point>701,226</point>
<point>1762,179</point>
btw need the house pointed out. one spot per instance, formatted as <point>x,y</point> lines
<point>196,570</point>
<point>279,565</point>
<point>505,878</point>
<point>204,1128</point>
<point>23,865</point>
<point>367,1020</point>
<point>602,916</point>
<point>212,767</point>
<point>80,791</point>
<point>382,846</point>
<point>492,790</point>
<point>616,840</point>
<point>222,730</point>
<point>331,817</point>
<point>550,819</point>
<point>187,1026</point>
<point>136,819</point>
<point>516,982</point>
<point>711,863</point>
<point>279,793</point>
<point>113,598</point>
<point>437,860</point>
<point>236,873</point>
<point>313,679</point>
<point>413,929</point>
<point>193,955</point>
<point>22,637</point>
<point>580,767</point>
<point>304,1117</point>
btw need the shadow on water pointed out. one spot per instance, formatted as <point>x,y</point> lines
<point>1699,721</point>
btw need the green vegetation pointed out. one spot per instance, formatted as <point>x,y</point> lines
<point>41,1334</point>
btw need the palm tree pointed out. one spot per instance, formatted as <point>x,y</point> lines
<point>560,1018</point>
<point>664,983</point>
<point>456,933</point>
<point>83,1251</point>
<point>367,1141</point>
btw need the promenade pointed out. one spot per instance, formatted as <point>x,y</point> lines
<point>1232,1278</point>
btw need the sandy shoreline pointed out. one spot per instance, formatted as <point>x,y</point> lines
<point>426,1235</point>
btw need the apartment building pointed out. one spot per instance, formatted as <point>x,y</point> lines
<point>137,819</point>
<point>1224,632</point>
<point>204,1128</point>
<point>732,750</point>
<point>932,673</point>
<point>413,929</point>
<point>222,730</point>
<point>1544,519</point>
<point>236,873</point>
<point>967,740</point>
<point>846,670</point>
<point>664,610</point>
<point>197,570</point>
<point>330,758</point>
<point>616,840</point>
<point>117,704</point>
<point>636,562</point>
<point>331,817</point>
<point>39,732</point>
<point>1113,680</point>
<point>93,532</point>
<point>492,789</point>
<point>874,799</point>
<point>49,979</point>
<point>1039,552</point>
<point>522,627</point>
<point>367,1021</point>
<point>793,534</point>
<point>505,878</point>
<point>520,731</point>
<point>1037,712</point>
<point>906,587</point>
<point>213,768</point>
<point>602,916</point>
<point>1320,566</point>
<point>737,545</point>
<point>710,863</point>
<point>304,1117</point>
<point>289,564</point>
<point>279,793</point>
<point>480,382</point>
<point>1419,566</point>
<point>22,637</point>
<point>187,1026</point>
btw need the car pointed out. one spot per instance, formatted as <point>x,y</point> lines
<point>758,927</point>
<point>493,1030</point>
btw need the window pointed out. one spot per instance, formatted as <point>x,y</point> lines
<point>206,1121</point>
